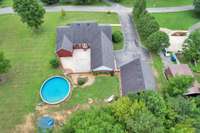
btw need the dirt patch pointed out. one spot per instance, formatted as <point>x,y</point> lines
<point>28,126</point>
<point>2,79</point>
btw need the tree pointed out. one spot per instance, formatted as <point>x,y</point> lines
<point>154,102</point>
<point>191,50</point>
<point>30,11</point>
<point>184,108</point>
<point>94,120</point>
<point>139,8</point>
<point>135,116</point>
<point>49,2</point>
<point>117,36</point>
<point>147,25</point>
<point>4,64</point>
<point>177,85</point>
<point>157,41</point>
<point>196,4</point>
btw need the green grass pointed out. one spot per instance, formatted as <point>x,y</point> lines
<point>103,87</point>
<point>197,77</point>
<point>117,46</point>
<point>159,3</point>
<point>178,20</point>
<point>168,3</point>
<point>6,3</point>
<point>159,69</point>
<point>29,54</point>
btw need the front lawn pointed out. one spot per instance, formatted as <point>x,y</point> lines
<point>177,21</point>
<point>29,54</point>
<point>160,3</point>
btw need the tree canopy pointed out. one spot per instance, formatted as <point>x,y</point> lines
<point>49,2</point>
<point>139,8</point>
<point>196,4</point>
<point>177,85</point>
<point>191,50</point>
<point>147,25</point>
<point>96,120</point>
<point>157,41</point>
<point>30,11</point>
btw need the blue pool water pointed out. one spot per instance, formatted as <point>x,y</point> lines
<point>55,90</point>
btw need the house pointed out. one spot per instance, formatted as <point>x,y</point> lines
<point>178,69</point>
<point>86,35</point>
<point>194,90</point>
<point>136,76</point>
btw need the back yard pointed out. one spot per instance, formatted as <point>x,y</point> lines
<point>29,54</point>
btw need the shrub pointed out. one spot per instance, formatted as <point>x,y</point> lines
<point>54,63</point>
<point>82,81</point>
<point>50,2</point>
<point>177,85</point>
<point>139,8</point>
<point>117,36</point>
<point>157,41</point>
<point>147,25</point>
<point>62,13</point>
<point>191,51</point>
<point>196,4</point>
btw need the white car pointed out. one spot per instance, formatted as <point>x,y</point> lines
<point>166,52</point>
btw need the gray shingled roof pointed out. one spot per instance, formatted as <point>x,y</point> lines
<point>99,37</point>
<point>136,76</point>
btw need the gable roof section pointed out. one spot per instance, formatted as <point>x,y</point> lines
<point>136,76</point>
<point>179,69</point>
<point>102,54</point>
<point>98,37</point>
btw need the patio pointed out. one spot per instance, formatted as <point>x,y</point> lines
<point>79,62</point>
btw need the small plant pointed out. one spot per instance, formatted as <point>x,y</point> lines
<point>108,12</point>
<point>82,80</point>
<point>62,13</point>
<point>117,36</point>
<point>54,63</point>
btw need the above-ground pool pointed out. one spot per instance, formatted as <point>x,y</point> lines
<point>55,90</point>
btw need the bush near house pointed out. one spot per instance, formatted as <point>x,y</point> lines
<point>54,63</point>
<point>82,80</point>
<point>177,85</point>
<point>157,41</point>
<point>117,36</point>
